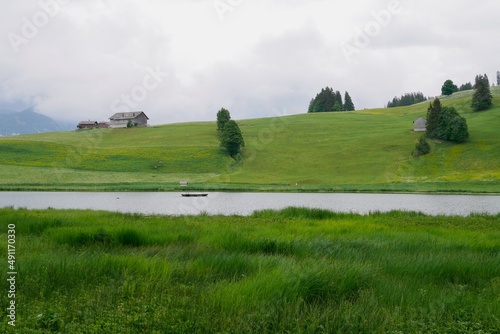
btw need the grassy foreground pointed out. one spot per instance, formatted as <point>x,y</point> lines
<point>293,271</point>
<point>366,150</point>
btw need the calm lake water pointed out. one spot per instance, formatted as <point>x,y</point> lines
<point>246,203</point>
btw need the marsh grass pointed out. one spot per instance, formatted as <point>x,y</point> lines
<point>291,271</point>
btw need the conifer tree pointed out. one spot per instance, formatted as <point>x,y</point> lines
<point>320,101</point>
<point>338,99</point>
<point>337,106</point>
<point>482,98</point>
<point>348,104</point>
<point>422,147</point>
<point>433,119</point>
<point>311,106</point>
<point>329,99</point>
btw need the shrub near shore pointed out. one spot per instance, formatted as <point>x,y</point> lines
<point>297,270</point>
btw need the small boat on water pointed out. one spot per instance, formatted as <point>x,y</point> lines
<point>188,194</point>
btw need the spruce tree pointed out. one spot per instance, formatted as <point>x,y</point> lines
<point>422,147</point>
<point>433,119</point>
<point>329,99</point>
<point>482,98</point>
<point>498,78</point>
<point>337,106</point>
<point>311,106</point>
<point>320,101</point>
<point>348,104</point>
<point>338,99</point>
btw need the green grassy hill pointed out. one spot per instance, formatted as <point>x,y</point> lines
<point>367,150</point>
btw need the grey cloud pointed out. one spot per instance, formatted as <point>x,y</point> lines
<point>271,57</point>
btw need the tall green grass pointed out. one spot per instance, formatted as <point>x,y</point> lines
<point>291,271</point>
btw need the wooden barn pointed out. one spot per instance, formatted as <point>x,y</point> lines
<point>420,125</point>
<point>121,119</point>
<point>87,125</point>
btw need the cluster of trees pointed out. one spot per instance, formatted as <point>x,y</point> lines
<point>229,132</point>
<point>443,123</point>
<point>330,100</point>
<point>465,86</point>
<point>482,98</point>
<point>449,87</point>
<point>406,100</point>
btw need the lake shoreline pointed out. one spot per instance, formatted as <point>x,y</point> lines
<point>435,188</point>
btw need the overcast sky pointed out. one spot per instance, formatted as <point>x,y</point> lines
<point>182,60</point>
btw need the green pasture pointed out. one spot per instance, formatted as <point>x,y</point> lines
<point>293,271</point>
<point>349,151</point>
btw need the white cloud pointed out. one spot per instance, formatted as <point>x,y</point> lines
<point>264,55</point>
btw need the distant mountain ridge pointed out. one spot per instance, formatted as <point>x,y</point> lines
<point>26,122</point>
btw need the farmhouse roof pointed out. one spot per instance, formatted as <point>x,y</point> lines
<point>127,115</point>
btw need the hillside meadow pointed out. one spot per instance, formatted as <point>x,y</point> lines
<point>291,271</point>
<point>366,150</point>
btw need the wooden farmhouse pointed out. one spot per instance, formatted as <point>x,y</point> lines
<point>120,120</point>
<point>420,125</point>
<point>87,125</point>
